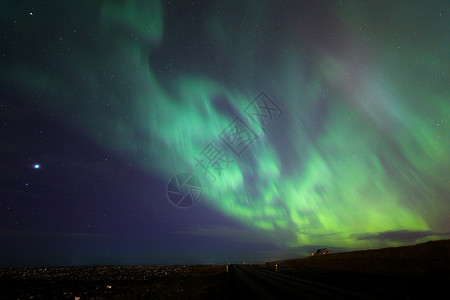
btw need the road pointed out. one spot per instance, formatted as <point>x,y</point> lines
<point>259,283</point>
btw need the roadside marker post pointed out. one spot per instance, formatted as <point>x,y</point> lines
<point>276,268</point>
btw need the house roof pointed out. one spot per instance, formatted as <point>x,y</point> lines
<point>322,251</point>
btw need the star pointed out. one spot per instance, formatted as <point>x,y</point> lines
<point>36,166</point>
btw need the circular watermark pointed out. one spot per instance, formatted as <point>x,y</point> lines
<point>184,190</point>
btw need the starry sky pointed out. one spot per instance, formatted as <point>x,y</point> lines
<point>289,125</point>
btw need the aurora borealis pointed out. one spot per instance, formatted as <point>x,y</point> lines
<point>112,98</point>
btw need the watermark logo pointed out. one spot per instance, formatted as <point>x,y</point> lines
<point>263,110</point>
<point>238,136</point>
<point>184,190</point>
<point>213,160</point>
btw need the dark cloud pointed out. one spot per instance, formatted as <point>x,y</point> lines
<point>402,235</point>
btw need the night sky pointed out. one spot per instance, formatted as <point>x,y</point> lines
<point>182,132</point>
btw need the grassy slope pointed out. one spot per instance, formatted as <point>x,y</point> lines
<point>427,259</point>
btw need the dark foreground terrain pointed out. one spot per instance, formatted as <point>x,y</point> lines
<point>415,272</point>
<point>133,282</point>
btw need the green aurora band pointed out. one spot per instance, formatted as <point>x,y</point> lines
<point>362,146</point>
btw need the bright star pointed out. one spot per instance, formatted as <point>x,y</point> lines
<point>36,166</point>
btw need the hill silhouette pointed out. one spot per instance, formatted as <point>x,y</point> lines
<point>426,259</point>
